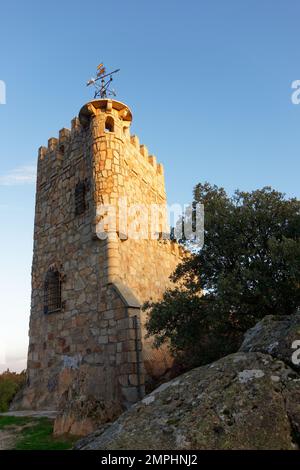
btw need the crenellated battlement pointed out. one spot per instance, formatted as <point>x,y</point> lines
<point>142,150</point>
<point>62,142</point>
<point>118,115</point>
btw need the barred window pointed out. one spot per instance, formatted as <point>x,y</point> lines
<point>52,292</point>
<point>80,198</point>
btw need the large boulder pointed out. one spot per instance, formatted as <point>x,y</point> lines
<point>243,401</point>
<point>277,336</point>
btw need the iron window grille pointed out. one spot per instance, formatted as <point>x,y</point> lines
<point>52,292</point>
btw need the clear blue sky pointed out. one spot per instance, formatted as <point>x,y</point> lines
<point>209,84</point>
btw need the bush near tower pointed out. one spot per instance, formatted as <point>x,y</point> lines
<point>249,267</point>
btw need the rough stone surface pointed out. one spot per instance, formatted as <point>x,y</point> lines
<point>243,401</point>
<point>80,415</point>
<point>276,336</point>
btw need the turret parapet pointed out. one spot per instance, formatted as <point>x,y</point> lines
<point>117,124</point>
<point>95,107</point>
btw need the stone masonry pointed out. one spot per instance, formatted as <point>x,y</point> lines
<point>92,351</point>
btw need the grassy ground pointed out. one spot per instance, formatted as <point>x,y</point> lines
<point>34,434</point>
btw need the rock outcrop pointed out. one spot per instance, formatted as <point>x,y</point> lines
<point>276,336</point>
<point>242,401</point>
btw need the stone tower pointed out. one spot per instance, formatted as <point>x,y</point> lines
<point>87,343</point>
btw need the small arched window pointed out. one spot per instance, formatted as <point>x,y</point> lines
<point>52,292</point>
<point>109,124</point>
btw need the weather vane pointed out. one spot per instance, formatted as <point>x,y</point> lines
<point>102,82</point>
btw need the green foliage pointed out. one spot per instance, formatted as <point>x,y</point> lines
<point>10,384</point>
<point>35,434</point>
<point>249,267</point>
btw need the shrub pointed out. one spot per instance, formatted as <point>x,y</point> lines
<point>10,384</point>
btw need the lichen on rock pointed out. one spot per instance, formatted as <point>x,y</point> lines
<point>236,404</point>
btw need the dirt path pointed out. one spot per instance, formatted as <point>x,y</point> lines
<point>10,434</point>
<point>31,414</point>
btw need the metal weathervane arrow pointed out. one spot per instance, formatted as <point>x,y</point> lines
<point>102,82</point>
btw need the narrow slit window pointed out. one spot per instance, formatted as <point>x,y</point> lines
<point>80,198</point>
<point>52,292</point>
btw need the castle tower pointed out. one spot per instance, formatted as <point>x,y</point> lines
<point>89,278</point>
